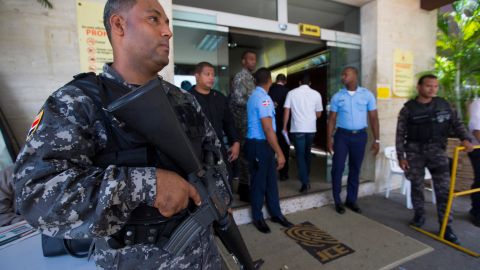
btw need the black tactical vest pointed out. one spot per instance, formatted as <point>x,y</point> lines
<point>428,123</point>
<point>125,147</point>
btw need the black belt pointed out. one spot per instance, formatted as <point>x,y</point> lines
<point>356,131</point>
<point>429,141</point>
<point>256,140</point>
<point>149,232</point>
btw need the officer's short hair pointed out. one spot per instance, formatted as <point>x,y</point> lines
<point>281,77</point>
<point>426,76</point>
<point>244,54</point>
<point>113,7</point>
<point>354,69</point>
<point>305,79</point>
<point>262,75</point>
<point>199,67</point>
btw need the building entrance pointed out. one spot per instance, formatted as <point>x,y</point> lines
<point>293,56</point>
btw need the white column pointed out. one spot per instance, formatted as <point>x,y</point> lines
<point>385,26</point>
<point>282,13</point>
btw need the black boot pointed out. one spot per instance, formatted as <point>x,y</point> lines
<point>450,236</point>
<point>418,221</point>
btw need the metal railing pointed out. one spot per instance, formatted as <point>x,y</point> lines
<point>451,195</point>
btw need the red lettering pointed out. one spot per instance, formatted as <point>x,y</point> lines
<point>96,32</point>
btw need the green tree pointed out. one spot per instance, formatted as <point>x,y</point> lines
<point>45,3</point>
<point>457,62</point>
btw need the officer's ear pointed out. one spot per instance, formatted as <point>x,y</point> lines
<point>118,25</point>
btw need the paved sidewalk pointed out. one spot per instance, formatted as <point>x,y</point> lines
<point>330,241</point>
<point>393,213</point>
<point>389,212</point>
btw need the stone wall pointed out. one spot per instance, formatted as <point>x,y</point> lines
<point>385,26</point>
<point>40,54</point>
<point>464,168</point>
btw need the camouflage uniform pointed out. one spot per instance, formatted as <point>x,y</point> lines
<point>429,154</point>
<point>243,86</point>
<point>61,192</point>
<point>8,209</point>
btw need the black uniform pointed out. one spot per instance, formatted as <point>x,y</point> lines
<point>215,107</point>
<point>278,93</point>
<point>421,139</point>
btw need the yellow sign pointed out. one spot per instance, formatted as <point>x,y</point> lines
<point>402,73</point>
<point>309,30</point>
<point>383,92</point>
<point>95,49</point>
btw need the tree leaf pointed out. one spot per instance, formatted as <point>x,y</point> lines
<point>45,3</point>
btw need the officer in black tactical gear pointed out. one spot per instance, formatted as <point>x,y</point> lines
<point>84,174</point>
<point>421,140</point>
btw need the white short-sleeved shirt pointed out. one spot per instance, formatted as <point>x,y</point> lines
<point>304,103</point>
<point>474,123</point>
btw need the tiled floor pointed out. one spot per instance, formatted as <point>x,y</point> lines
<point>290,187</point>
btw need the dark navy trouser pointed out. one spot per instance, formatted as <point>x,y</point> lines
<point>353,144</point>
<point>303,147</point>
<point>475,159</point>
<point>263,178</point>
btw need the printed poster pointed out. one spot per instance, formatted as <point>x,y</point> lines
<point>95,49</point>
<point>403,78</point>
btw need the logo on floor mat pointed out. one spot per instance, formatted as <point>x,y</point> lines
<point>318,243</point>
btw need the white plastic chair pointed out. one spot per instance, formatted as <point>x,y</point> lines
<point>394,168</point>
<point>391,156</point>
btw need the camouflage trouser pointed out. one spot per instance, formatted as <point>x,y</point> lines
<point>240,118</point>
<point>202,254</point>
<point>434,157</point>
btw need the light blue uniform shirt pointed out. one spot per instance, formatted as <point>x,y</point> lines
<point>259,106</point>
<point>352,110</point>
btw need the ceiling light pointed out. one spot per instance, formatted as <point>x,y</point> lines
<point>210,42</point>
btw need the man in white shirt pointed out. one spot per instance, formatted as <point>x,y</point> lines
<point>474,127</point>
<point>305,105</point>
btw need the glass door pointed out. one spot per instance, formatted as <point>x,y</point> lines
<point>341,55</point>
<point>198,42</point>
<point>8,145</point>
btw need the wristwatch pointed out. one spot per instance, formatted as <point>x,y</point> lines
<point>377,141</point>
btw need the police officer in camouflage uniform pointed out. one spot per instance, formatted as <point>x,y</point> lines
<point>421,140</point>
<point>62,191</point>
<point>243,85</point>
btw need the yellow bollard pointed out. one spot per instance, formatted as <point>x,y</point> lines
<point>451,195</point>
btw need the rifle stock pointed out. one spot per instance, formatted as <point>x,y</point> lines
<point>163,130</point>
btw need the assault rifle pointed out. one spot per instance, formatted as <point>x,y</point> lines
<point>164,131</point>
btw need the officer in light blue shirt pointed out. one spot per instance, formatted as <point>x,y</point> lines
<point>349,109</point>
<point>261,145</point>
<point>260,105</point>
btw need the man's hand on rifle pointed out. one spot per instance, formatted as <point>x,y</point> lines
<point>173,193</point>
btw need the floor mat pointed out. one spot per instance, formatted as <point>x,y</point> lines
<point>355,242</point>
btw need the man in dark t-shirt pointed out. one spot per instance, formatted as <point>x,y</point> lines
<point>278,92</point>
<point>215,107</point>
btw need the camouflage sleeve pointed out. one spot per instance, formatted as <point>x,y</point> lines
<point>58,188</point>
<point>248,86</point>
<point>458,127</point>
<point>400,137</point>
<point>241,89</point>
<point>237,90</point>
<point>8,213</point>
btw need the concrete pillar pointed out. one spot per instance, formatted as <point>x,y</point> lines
<point>387,25</point>
<point>40,54</point>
